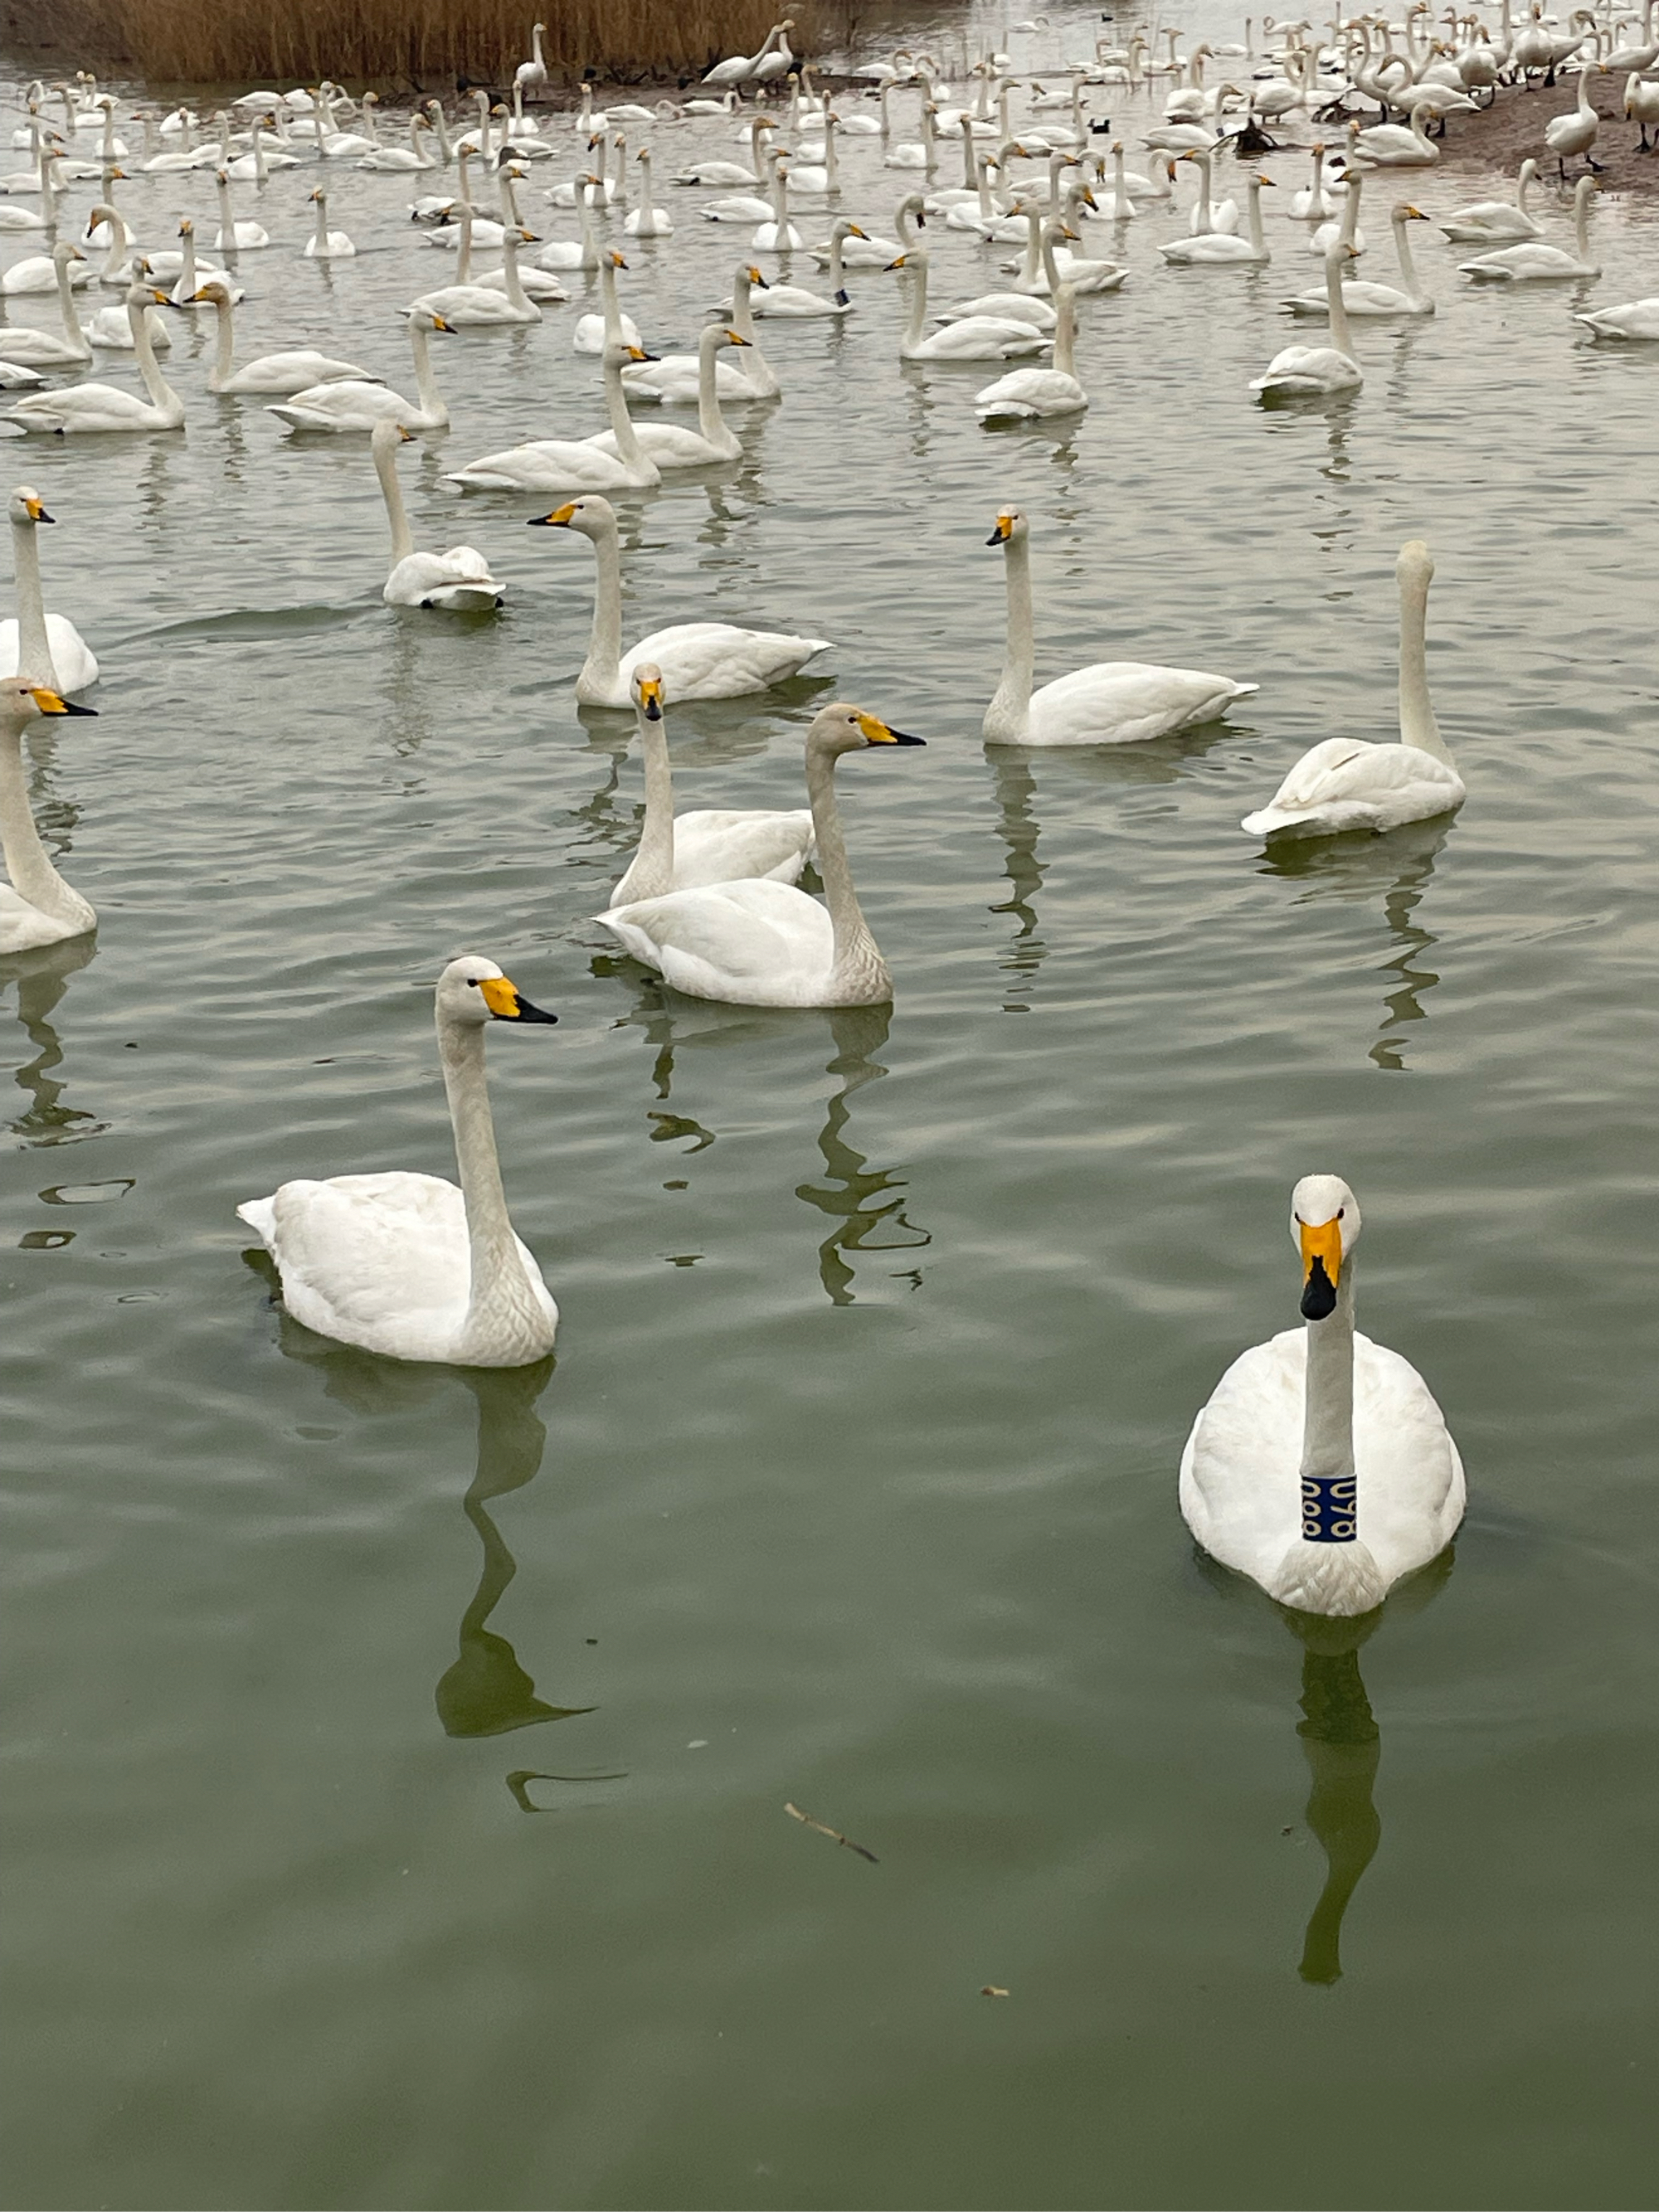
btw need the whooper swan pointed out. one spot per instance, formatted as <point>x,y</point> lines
<point>407,1265</point>
<point>1345,784</point>
<point>1035,394</point>
<point>756,943</point>
<point>1296,371</point>
<point>1361,296</point>
<point>273,374</point>
<point>1322,1466</point>
<point>676,379</point>
<point>573,464</point>
<point>1112,702</point>
<point>458,580</point>
<point>975,337</point>
<point>670,445</point>
<point>680,852</point>
<point>350,405</point>
<point>51,349</point>
<point>102,407</point>
<point>43,649</point>
<point>37,906</point>
<point>1532,262</point>
<point>697,660</point>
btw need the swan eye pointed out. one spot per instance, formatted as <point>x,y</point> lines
<point>1340,1211</point>
<point>472,982</point>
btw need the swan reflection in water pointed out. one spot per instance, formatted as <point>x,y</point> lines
<point>485,1692</point>
<point>1342,1744</point>
<point>41,976</point>
<point>864,1207</point>
<point>1401,865</point>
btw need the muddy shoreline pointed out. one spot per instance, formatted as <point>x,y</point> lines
<point>1503,134</point>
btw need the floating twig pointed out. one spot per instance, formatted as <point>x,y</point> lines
<point>521,1776</point>
<point>992,1990</point>
<point>834,1834</point>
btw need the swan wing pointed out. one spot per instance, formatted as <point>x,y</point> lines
<point>754,943</point>
<point>23,926</point>
<point>346,404</point>
<point>1125,703</point>
<point>381,1261</point>
<point>1031,392</point>
<point>718,660</point>
<point>546,464</point>
<point>715,846</point>
<point>1346,784</point>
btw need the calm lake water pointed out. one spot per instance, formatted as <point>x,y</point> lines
<point>854,1486</point>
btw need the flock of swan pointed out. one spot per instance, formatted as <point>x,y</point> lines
<point>1320,1466</point>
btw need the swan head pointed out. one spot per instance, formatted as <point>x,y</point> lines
<point>215,292</point>
<point>1324,1228</point>
<point>472,991</point>
<point>1012,527</point>
<point>842,729</point>
<point>754,276</point>
<point>1414,565</point>
<point>1406,213</point>
<point>591,516</point>
<point>27,506</point>
<point>21,702</point>
<point>646,688</point>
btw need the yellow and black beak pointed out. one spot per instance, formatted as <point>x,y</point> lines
<point>36,511</point>
<point>651,698</point>
<point>1322,1268</point>
<point>559,519</point>
<point>1003,530</point>
<point>734,338</point>
<point>508,1004</point>
<point>53,702</point>
<point>755,277</point>
<point>876,733</point>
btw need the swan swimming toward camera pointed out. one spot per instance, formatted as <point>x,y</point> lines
<point>1345,784</point>
<point>37,906</point>
<point>458,580</point>
<point>1322,1466</point>
<point>42,649</point>
<point>407,1265</point>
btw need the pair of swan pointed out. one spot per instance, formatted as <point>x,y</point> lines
<point>458,580</point>
<point>1530,261</point>
<point>465,305</point>
<point>37,906</point>
<point>43,649</point>
<point>353,404</point>
<point>1322,1466</point>
<point>574,464</point>
<point>756,942</point>
<point>1029,395</point>
<point>684,852</point>
<point>408,1266</point>
<point>973,338</point>
<point>1345,784</point>
<point>676,379</point>
<point>696,660</point>
<point>278,375</point>
<point>1361,296</point>
<point>105,407</point>
<point>1110,703</point>
<point>1221,248</point>
<point>1299,371</point>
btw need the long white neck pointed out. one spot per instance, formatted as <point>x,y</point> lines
<point>513,289</point>
<point>615,408</point>
<point>34,662</point>
<point>916,270</point>
<point>72,330</point>
<point>33,876</point>
<point>613,329</point>
<point>589,248</point>
<point>1403,248</point>
<point>646,225</point>
<point>1046,246</point>
<point>498,1289</point>
<point>652,874</point>
<point>856,950</point>
<point>604,642</point>
<point>463,250</point>
<point>1342,337</point>
<point>1581,222</point>
<point>385,467</point>
<point>160,391</point>
<point>780,196</point>
<point>710,422</point>
<point>224,358</point>
<point>1205,220</point>
<point>322,224</point>
<point>424,385</point>
<point>118,256</point>
<point>1007,714</point>
<point>1327,1417</point>
<point>1065,330</point>
<point>831,170</point>
<point>1417,725</point>
<point>1253,210</point>
<point>259,173</point>
<point>227,221</point>
<point>1350,225</point>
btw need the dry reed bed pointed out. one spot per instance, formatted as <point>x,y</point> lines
<point>394,43</point>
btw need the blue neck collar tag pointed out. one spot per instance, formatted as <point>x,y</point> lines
<point>1330,1512</point>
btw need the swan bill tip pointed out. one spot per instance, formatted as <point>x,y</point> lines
<point>507,1003</point>
<point>48,701</point>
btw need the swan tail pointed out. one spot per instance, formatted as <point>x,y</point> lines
<point>260,1215</point>
<point>1337,1580</point>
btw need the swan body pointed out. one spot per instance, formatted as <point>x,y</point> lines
<point>975,337</point>
<point>1322,1466</point>
<point>37,906</point>
<point>1360,296</point>
<point>86,408</point>
<point>470,306</point>
<point>1039,394</point>
<point>109,330</point>
<point>1345,784</point>
<point>349,404</point>
<point>696,660</point>
<point>1495,222</point>
<point>574,464</point>
<point>51,348</point>
<point>1223,248</point>
<point>42,649</point>
<point>1636,319</point>
<point>795,302</point>
<point>759,942</point>
<point>1392,146</point>
<point>1532,262</point>
<point>458,580</point>
<point>273,375</point>
<point>1111,703</point>
<point>407,1265</point>
<point>1297,371</point>
<point>37,272</point>
<point>682,852</point>
<point>324,244</point>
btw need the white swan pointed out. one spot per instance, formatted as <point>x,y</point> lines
<point>795,302</point>
<point>778,234</point>
<point>756,942</point>
<point>697,660</point>
<point>1221,248</point>
<point>273,374</point>
<point>47,348</point>
<point>37,906</point>
<point>1298,370</point>
<point>573,464</point>
<point>96,407</point>
<point>467,306</point>
<point>1036,394</point>
<point>1361,296</point>
<point>1112,702</point>
<point>324,244</point>
<point>1485,222</point>
<point>593,333</point>
<point>670,445</point>
<point>458,580</point>
<point>680,852</point>
<point>403,160</point>
<point>37,272</point>
<point>1345,784</point>
<point>648,220</point>
<point>975,337</point>
<point>1322,1466</point>
<point>1392,146</point>
<point>1207,215</point>
<point>1574,133</point>
<point>408,1265</point>
<point>1635,319</point>
<point>110,328</point>
<point>235,237</point>
<point>1532,262</point>
<point>348,405</point>
<point>1044,268</point>
<point>42,649</point>
<point>676,379</point>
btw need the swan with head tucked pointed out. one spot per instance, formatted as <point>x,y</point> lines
<point>37,906</point>
<point>1298,370</point>
<point>756,943</point>
<point>273,374</point>
<point>42,649</point>
<point>1112,702</point>
<point>458,580</point>
<point>1634,319</point>
<point>105,407</point>
<point>348,405</point>
<point>573,464</point>
<point>1345,784</point>
<point>1322,1466</point>
<point>680,852</point>
<point>1035,394</point>
<point>697,660</point>
<point>408,1265</point>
